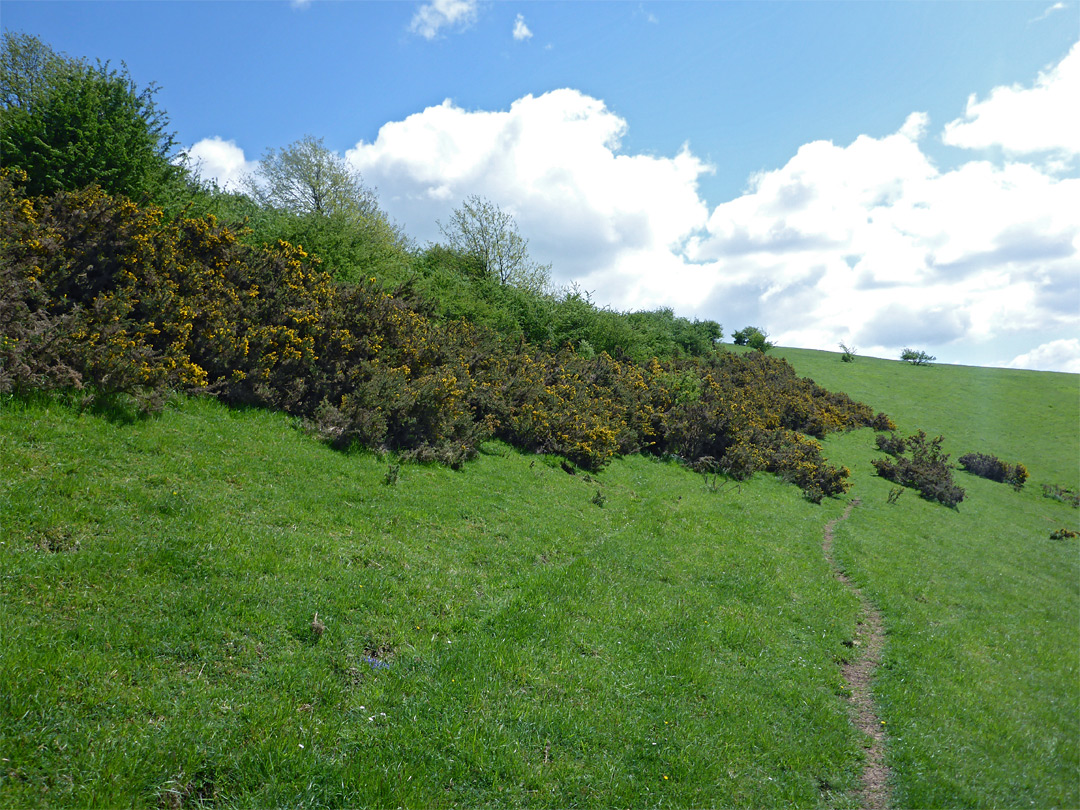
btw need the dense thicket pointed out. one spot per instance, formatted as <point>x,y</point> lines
<point>100,293</point>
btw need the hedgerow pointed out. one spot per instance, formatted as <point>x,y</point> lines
<point>102,295</point>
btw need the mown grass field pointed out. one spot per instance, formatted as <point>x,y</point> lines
<point>512,635</point>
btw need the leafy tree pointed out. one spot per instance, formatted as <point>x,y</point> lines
<point>481,228</point>
<point>754,337</point>
<point>27,66</point>
<point>307,178</point>
<point>311,196</point>
<point>69,124</point>
<point>917,358</point>
<point>848,355</point>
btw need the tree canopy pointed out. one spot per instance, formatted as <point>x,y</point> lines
<point>307,178</point>
<point>69,124</point>
<point>480,228</point>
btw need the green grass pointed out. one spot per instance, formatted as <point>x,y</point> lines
<point>980,686</point>
<point>674,646</point>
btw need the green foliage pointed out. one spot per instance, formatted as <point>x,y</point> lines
<point>848,355</point>
<point>482,229</point>
<point>307,178</point>
<point>917,358</point>
<point>754,337</point>
<point>663,334</point>
<point>69,125</point>
<point>122,299</point>
<point>891,443</point>
<point>927,470</point>
<point>990,466</point>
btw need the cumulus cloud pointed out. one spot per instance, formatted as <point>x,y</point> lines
<point>554,161</point>
<point>868,242</point>
<point>1057,355</point>
<point>1025,120</point>
<point>897,252</point>
<point>521,30</point>
<point>432,17</point>
<point>221,161</point>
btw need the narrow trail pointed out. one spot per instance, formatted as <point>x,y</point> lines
<point>858,674</point>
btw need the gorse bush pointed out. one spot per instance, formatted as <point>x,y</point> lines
<point>105,296</point>
<point>927,470</point>
<point>992,467</point>
<point>890,443</point>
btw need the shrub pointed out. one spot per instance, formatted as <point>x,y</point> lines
<point>1064,534</point>
<point>892,444</point>
<point>848,355</point>
<point>1063,494</point>
<point>989,466</point>
<point>754,337</point>
<point>917,358</point>
<point>927,470</point>
<point>102,294</point>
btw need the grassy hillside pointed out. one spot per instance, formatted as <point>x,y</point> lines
<point>509,634</point>
<point>980,684</point>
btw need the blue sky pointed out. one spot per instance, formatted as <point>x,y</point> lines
<point>887,174</point>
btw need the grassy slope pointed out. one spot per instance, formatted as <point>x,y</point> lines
<point>980,687</point>
<point>675,645</point>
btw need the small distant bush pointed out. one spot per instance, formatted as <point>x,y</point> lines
<point>754,337</point>
<point>1063,494</point>
<point>848,355</point>
<point>917,358</point>
<point>992,467</point>
<point>891,443</point>
<point>882,422</point>
<point>927,470</point>
<point>1064,534</point>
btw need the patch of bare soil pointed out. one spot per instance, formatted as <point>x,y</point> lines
<point>858,674</point>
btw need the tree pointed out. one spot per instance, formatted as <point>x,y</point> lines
<point>307,178</point>
<point>917,358</point>
<point>754,337</point>
<point>69,124</point>
<point>311,196</point>
<point>27,66</point>
<point>480,228</point>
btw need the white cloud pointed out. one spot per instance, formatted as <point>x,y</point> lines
<point>1025,120</point>
<point>1057,355</point>
<point>221,161</point>
<point>869,242</point>
<point>552,160</point>
<point>432,17</point>
<point>521,30</point>
<point>1048,12</point>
